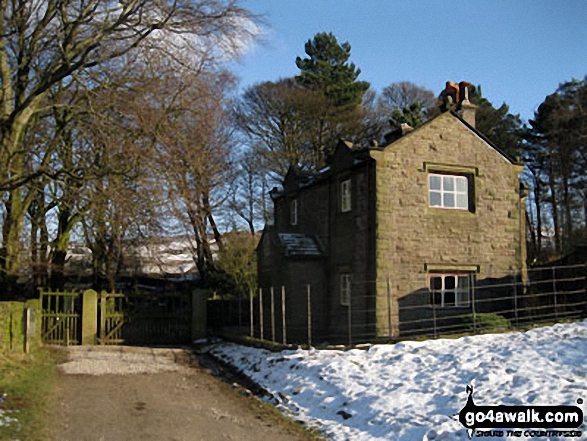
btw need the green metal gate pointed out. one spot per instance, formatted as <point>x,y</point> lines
<point>138,318</point>
<point>145,318</point>
<point>60,317</point>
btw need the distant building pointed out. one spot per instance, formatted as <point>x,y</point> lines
<point>155,257</point>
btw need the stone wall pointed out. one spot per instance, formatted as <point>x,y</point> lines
<point>352,250</point>
<point>12,325</point>
<point>413,238</point>
<point>347,240</point>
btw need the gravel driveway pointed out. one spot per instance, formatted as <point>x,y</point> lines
<point>124,393</point>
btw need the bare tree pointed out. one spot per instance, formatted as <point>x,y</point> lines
<point>249,199</point>
<point>399,95</point>
<point>281,121</point>
<point>45,43</point>
<point>185,117</point>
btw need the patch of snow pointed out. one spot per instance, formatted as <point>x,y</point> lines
<point>413,390</point>
<point>7,420</point>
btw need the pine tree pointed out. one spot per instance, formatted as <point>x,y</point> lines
<point>498,124</point>
<point>560,123</point>
<point>327,70</point>
<point>411,115</point>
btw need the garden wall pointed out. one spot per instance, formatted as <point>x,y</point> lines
<point>13,326</point>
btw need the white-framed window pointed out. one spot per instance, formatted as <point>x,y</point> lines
<point>345,196</point>
<point>450,290</point>
<point>345,288</point>
<point>448,191</point>
<point>293,212</point>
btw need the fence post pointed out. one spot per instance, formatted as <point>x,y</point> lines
<point>102,297</point>
<point>283,314</point>
<point>472,284</point>
<point>554,293</point>
<point>272,315</point>
<point>309,316</point>
<point>66,320</point>
<point>251,313</point>
<point>89,317</point>
<point>434,315</point>
<point>199,316</point>
<point>261,313</point>
<point>516,300</point>
<point>350,320</point>
<point>388,307</point>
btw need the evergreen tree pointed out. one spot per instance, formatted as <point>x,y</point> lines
<point>298,121</point>
<point>498,124</point>
<point>327,70</point>
<point>560,126</point>
<point>411,115</point>
<point>334,95</point>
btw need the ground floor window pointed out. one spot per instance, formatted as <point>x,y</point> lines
<point>450,290</point>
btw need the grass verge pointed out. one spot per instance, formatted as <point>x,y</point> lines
<point>27,381</point>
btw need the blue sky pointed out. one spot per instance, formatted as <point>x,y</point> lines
<point>517,50</point>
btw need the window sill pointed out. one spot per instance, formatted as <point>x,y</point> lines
<point>450,212</point>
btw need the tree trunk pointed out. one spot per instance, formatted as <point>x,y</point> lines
<point>43,252</point>
<point>10,253</point>
<point>537,203</point>
<point>568,232</point>
<point>66,223</point>
<point>555,210</point>
<point>34,244</point>
<point>532,236</point>
<point>57,279</point>
<point>200,259</point>
<point>13,165</point>
<point>38,239</point>
<point>208,212</point>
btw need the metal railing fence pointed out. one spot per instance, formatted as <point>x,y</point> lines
<point>306,314</point>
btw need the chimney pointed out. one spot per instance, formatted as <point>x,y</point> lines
<point>405,128</point>
<point>455,97</point>
<point>467,109</point>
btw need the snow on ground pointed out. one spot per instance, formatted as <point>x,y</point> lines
<point>411,390</point>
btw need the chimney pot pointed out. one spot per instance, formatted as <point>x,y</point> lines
<point>406,128</point>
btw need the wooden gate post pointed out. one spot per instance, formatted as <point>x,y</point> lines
<point>198,314</point>
<point>29,328</point>
<point>89,317</point>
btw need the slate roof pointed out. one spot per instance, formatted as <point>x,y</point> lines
<point>300,244</point>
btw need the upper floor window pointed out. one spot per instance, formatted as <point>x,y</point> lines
<point>450,290</point>
<point>448,191</point>
<point>293,212</point>
<point>345,196</point>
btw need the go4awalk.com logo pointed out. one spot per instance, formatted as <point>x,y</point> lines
<point>522,421</point>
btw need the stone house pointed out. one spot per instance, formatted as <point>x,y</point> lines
<point>396,232</point>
